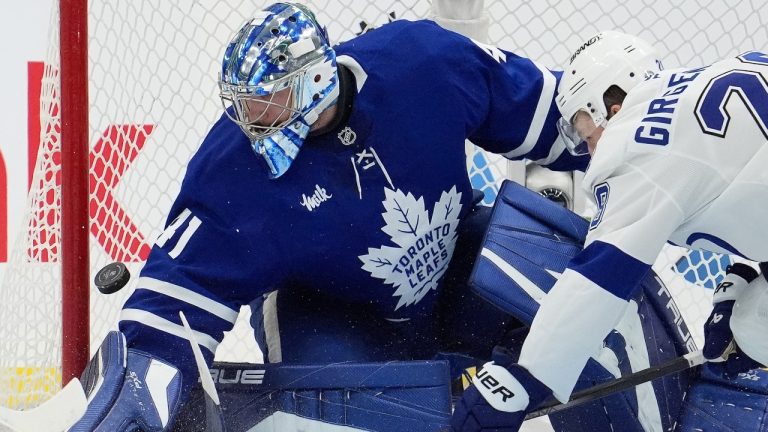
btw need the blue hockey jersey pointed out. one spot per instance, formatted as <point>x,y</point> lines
<point>368,213</point>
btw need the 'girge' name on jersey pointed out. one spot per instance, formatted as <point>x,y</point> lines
<point>655,126</point>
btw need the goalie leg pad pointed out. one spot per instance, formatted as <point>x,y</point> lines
<point>715,403</point>
<point>412,396</point>
<point>128,389</point>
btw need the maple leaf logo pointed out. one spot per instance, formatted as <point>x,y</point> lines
<point>424,245</point>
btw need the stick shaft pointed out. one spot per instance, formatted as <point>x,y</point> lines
<point>60,412</point>
<point>600,391</point>
<point>214,417</point>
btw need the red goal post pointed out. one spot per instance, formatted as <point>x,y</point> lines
<point>132,92</point>
<point>75,295</point>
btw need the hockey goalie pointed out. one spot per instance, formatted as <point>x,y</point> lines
<point>332,198</point>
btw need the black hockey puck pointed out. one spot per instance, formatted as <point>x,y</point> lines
<point>112,278</point>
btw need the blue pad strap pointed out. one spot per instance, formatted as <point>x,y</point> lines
<point>532,235</point>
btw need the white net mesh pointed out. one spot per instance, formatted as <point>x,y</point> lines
<point>153,95</point>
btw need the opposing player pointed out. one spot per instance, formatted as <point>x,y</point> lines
<point>337,178</point>
<point>677,156</point>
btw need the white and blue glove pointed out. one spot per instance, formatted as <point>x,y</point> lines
<point>466,17</point>
<point>128,390</point>
<point>719,344</point>
<point>502,394</point>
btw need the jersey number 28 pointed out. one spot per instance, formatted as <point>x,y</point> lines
<point>749,85</point>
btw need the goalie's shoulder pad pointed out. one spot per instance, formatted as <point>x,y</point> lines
<point>127,388</point>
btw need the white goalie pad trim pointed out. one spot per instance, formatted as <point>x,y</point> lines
<point>187,296</point>
<point>158,377</point>
<point>285,422</point>
<point>272,329</point>
<point>162,324</point>
<point>631,328</point>
<point>526,284</point>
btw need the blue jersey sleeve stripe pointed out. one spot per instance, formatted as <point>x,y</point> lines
<point>610,268</point>
<point>151,320</point>
<point>188,296</point>
<point>555,151</point>
<point>549,85</point>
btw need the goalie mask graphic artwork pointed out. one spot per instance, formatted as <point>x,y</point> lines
<point>424,244</point>
<point>278,74</point>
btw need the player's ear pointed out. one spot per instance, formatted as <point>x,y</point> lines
<point>614,109</point>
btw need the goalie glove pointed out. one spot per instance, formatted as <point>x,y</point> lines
<point>466,17</point>
<point>128,390</point>
<point>719,344</point>
<point>501,395</point>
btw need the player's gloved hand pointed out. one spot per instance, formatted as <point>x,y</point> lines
<point>128,390</point>
<point>719,344</point>
<point>502,394</point>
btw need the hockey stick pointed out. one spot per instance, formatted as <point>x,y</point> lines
<point>599,391</point>
<point>214,417</point>
<point>55,415</point>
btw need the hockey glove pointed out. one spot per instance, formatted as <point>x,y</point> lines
<point>466,17</point>
<point>128,390</point>
<point>719,345</point>
<point>502,394</point>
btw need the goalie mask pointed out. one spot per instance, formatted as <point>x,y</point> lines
<point>606,59</point>
<point>278,74</point>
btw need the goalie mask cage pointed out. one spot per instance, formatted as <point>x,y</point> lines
<point>150,95</point>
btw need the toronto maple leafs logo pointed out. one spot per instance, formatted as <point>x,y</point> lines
<point>424,245</point>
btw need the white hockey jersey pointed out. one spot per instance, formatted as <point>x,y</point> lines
<point>685,161</point>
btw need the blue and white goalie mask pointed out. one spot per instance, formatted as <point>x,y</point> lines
<point>278,74</point>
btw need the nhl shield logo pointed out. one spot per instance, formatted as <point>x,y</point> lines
<point>347,136</point>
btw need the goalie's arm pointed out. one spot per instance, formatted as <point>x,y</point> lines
<point>197,267</point>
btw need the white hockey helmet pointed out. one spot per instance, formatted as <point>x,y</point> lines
<point>606,59</point>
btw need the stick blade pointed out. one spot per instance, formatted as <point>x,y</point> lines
<point>57,414</point>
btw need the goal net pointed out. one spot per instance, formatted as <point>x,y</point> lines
<point>152,91</point>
